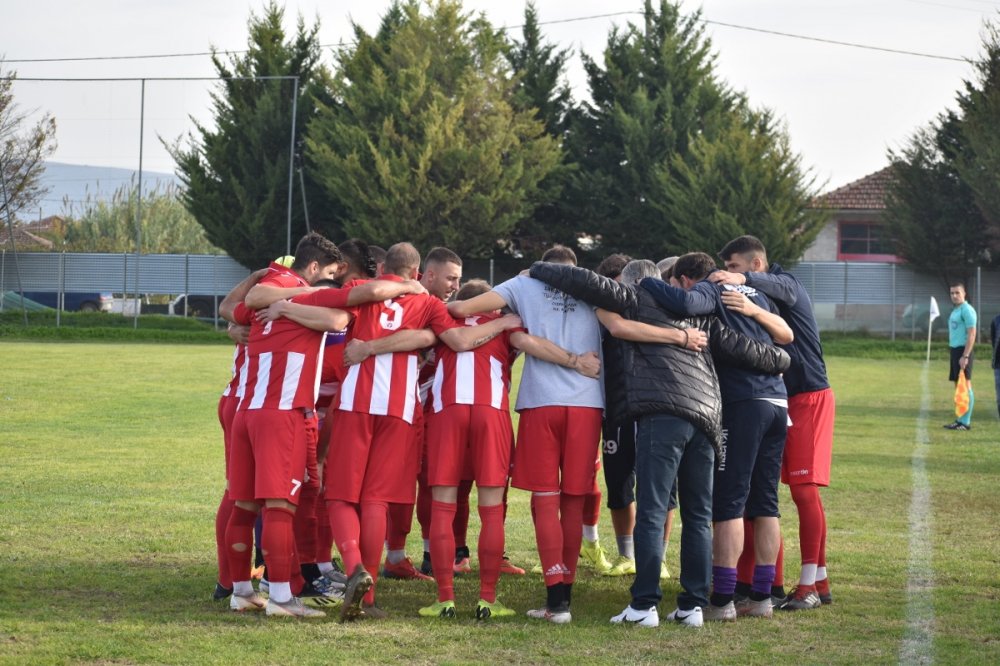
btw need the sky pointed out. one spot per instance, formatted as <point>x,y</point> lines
<point>842,106</point>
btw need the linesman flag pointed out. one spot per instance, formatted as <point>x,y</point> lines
<point>961,394</point>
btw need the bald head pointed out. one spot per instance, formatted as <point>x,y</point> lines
<point>402,259</point>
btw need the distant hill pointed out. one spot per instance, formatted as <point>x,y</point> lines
<point>69,185</point>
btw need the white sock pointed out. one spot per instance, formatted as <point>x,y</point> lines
<point>281,592</point>
<point>396,556</point>
<point>590,533</point>
<point>325,567</point>
<point>427,545</point>
<point>626,547</point>
<point>820,573</point>
<point>808,575</point>
<point>242,588</point>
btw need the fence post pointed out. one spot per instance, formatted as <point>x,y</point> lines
<point>491,272</point>
<point>61,297</point>
<point>892,311</point>
<point>187,283</point>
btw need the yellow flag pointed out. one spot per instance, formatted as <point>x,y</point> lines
<point>961,394</point>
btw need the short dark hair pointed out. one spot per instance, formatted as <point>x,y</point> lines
<point>441,255</point>
<point>471,289</point>
<point>315,247</point>
<point>358,256</point>
<point>743,245</point>
<point>611,266</point>
<point>560,254</point>
<point>401,259</point>
<point>957,283</point>
<point>378,254</point>
<point>694,266</point>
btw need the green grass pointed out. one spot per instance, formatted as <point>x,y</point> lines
<point>111,469</point>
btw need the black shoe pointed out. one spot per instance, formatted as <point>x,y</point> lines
<point>425,566</point>
<point>221,592</point>
<point>957,426</point>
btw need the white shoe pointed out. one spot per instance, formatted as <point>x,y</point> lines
<point>689,618</point>
<point>555,617</point>
<point>643,618</point>
<point>725,613</point>
<point>291,608</point>
<point>254,602</point>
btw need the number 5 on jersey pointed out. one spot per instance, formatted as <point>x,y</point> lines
<point>397,315</point>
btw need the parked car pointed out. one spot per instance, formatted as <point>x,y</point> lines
<point>76,301</point>
<point>198,305</point>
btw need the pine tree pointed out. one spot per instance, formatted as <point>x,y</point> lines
<point>541,86</point>
<point>671,160</point>
<point>423,143</point>
<point>236,174</point>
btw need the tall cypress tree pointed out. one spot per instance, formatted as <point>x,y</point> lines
<point>663,139</point>
<point>424,143</point>
<point>236,174</point>
<point>540,69</point>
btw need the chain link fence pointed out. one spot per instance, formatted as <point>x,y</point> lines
<point>882,299</point>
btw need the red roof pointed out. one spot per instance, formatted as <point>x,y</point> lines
<point>23,240</point>
<point>866,193</point>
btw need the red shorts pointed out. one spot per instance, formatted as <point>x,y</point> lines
<point>463,438</point>
<point>371,457</point>
<point>556,449</point>
<point>227,411</point>
<point>809,444</point>
<point>312,441</point>
<point>267,458</point>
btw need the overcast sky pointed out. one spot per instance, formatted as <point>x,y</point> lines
<point>844,106</point>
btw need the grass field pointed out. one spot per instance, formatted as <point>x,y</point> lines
<point>111,469</point>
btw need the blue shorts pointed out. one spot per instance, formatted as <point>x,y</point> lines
<point>749,468</point>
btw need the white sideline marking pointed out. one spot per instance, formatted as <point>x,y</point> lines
<point>918,639</point>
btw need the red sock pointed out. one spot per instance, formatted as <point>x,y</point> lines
<point>239,543</point>
<point>491,544</point>
<point>549,536</point>
<point>324,537</point>
<point>345,525</point>
<point>821,561</point>
<point>305,523</point>
<point>571,517</point>
<point>279,544</point>
<point>461,524</point>
<point>443,548</point>
<point>744,567</point>
<point>400,519</point>
<point>592,507</point>
<point>221,524</point>
<point>806,498</point>
<point>374,518</point>
<point>424,501</point>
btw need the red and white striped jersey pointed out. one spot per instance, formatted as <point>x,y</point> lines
<point>243,317</point>
<point>477,377</point>
<point>386,384</point>
<point>283,358</point>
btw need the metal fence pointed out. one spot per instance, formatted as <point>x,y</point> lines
<point>886,299</point>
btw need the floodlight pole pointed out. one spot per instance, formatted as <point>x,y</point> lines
<point>138,209</point>
<point>291,163</point>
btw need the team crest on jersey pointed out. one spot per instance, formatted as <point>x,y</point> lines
<point>750,292</point>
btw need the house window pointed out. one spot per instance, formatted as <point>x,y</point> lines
<point>865,241</point>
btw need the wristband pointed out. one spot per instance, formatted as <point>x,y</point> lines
<point>687,337</point>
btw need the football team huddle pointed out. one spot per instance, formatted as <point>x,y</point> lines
<point>365,390</point>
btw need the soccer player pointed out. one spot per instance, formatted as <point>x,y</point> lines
<point>373,416</point>
<point>961,343</point>
<point>806,462</point>
<point>560,422</point>
<point>754,420</point>
<point>441,278</point>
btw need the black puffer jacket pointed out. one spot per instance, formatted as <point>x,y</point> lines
<point>647,378</point>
